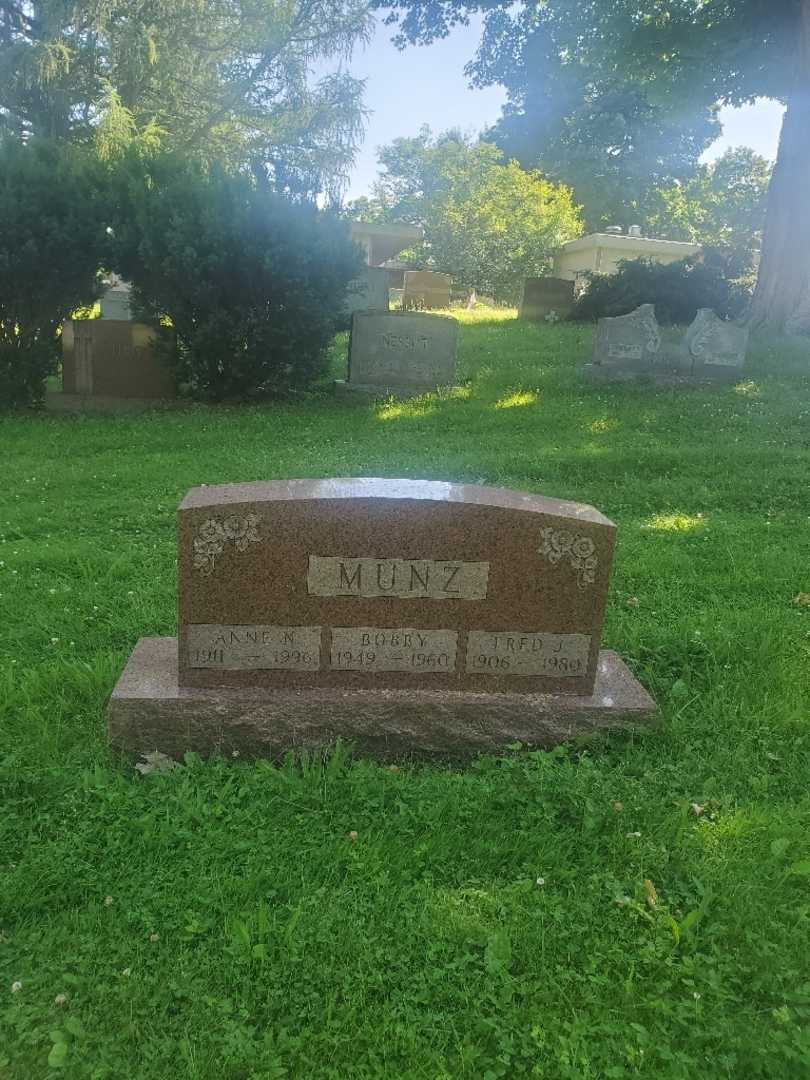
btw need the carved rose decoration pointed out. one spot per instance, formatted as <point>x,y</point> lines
<point>579,551</point>
<point>213,535</point>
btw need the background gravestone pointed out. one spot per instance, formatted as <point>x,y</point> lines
<point>409,616</point>
<point>426,289</point>
<point>629,343</point>
<point>543,296</point>
<point>110,358</point>
<point>717,347</point>
<point>400,353</point>
<point>115,303</point>
<point>369,292</point>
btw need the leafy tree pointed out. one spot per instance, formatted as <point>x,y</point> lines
<point>248,285</point>
<point>52,242</point>
<point>612,144</point>
<point>486,221</point>
<point>563,61</point>
<point>227,80</point>
<point>721,207</point>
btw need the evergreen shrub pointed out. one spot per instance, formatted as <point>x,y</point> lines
<point>248,285</point>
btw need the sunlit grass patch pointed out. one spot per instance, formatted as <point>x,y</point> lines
<point>748,389</point>
<point>516,399</point>
<point>482,313</point>
<point>456,393</point>
<point>603,425</point>
<point>675,522</point>
<point>407,410</point>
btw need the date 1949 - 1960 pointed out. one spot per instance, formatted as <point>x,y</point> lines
<point>369,648</point>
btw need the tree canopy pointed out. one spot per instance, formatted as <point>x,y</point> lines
<point>486,220</point>
<point>605,89</point>
<point>722,207</point>
<point>219,80</point>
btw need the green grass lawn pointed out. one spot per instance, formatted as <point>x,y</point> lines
<point>218,921</point>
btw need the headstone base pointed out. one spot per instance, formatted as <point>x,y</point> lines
<point>149,711</point>
<point>348,391</point>
<point>58,401</point>
<point>606,373</point>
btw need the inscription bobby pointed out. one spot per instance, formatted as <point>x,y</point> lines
<point>374,648</point>
<point>401,578</point>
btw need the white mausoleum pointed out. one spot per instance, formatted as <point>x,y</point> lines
<point>601,253</point>
<point>383,242</point>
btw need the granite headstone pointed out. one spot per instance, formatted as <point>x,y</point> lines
<point>115,303</point>
<point>112,358</point>
<point>426,289</point>
<point>717,347</point>
<point>628,342</point>
<point>410,617</point>
<point>402,353</point>
<point>546,297</point>
<point>369,292</point>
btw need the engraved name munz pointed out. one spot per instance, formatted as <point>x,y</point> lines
<point>401,578</point>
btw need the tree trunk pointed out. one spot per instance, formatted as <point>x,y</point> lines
<point>781,303</point>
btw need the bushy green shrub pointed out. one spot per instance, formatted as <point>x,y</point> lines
<point>52,244</point>
<point>252,284</point>
<point>677,289</point>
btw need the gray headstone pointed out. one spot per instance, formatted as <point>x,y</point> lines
<point>629,342</point>
<point>115,303</point>
<point>426,289</point>
<point>369,292</point>
<point>545,297</point>
<point>401,352</point>
<point>718,348</point>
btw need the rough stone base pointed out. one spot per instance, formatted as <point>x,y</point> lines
<point>56,401</point>
<point>148,711</point>
<point>347,391</point>
<point>605,373</point>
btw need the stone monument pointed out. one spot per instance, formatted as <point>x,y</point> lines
<point>107,363</point>
<point>402,353</point>
<point>369,292</point>
<point>545,297</point>
<point>115,303</point>
<point>630,346</point>
<point>425,289</point>
<point>630,343</point>
<point>409,617</point>
<point>717,347</point>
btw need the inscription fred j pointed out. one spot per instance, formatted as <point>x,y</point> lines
<point>514,652</point>
<point>402,578</point>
